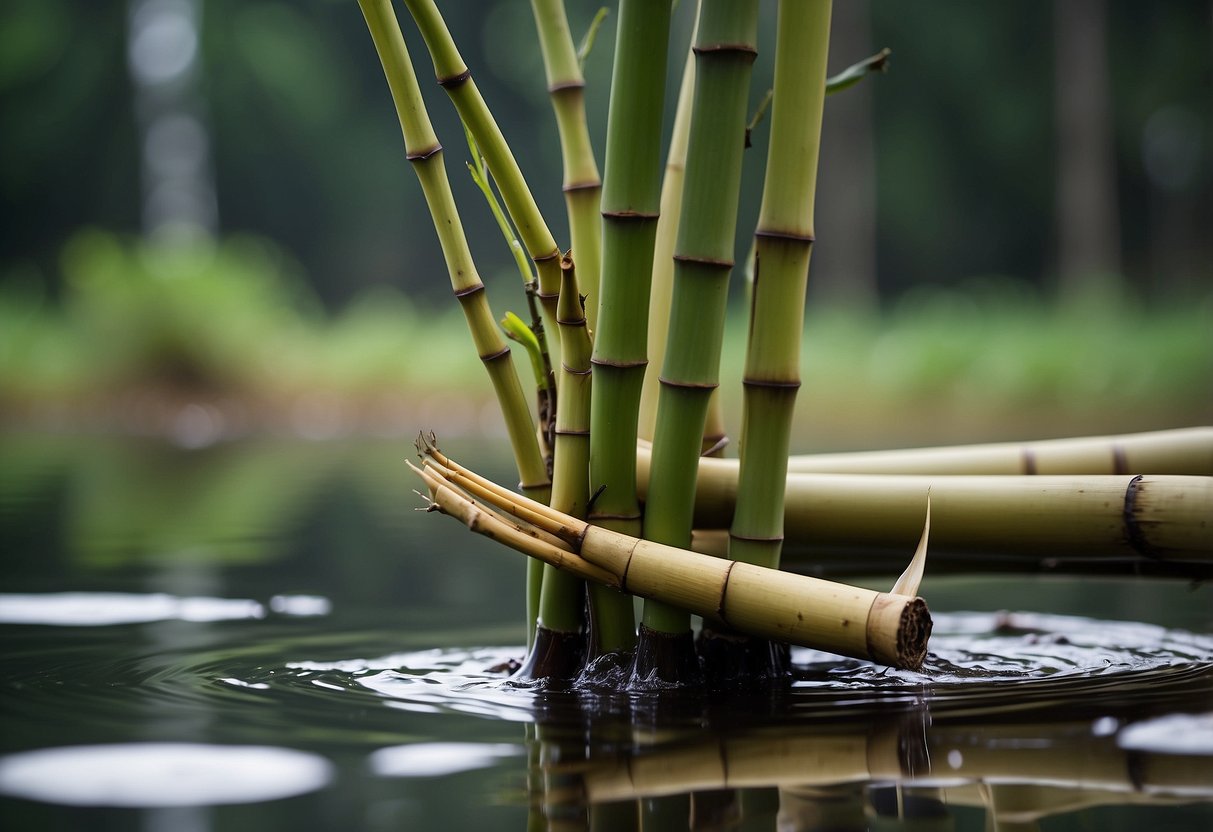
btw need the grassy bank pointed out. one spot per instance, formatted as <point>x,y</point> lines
<point>226,339</point>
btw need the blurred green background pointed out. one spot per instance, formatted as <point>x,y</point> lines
<point>209,227</point>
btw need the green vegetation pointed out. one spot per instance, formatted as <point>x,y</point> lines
<point>234,320</point>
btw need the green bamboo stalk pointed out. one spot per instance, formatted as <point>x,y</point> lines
<point>425,154</point>
<point>558,649</point>
<point>725,48</point>
<point>667,234</point>
<point>630,202</point>
<point>582,186</point>
<point>783,244</point>
<point>456,79</point>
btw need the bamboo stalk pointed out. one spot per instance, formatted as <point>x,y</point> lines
<point>560,605</point>
<point>425,154</point>
<point>1179,451</point>
<point>1152,518</point>
<point>725,49</point>
<point>662,288</point>
<point>783,243</point>
<point>885,628</point>
<point>582,186</point>
<point>629,222</point>
<point>455,77</point>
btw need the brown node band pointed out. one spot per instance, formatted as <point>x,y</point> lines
<point>619,365</point>
<point>571,432</point>
<point>1134,534</point>
<point>553,255</point>
<point>639,216</point>
<point>564,86</point>
<point>1120,463</point>
<point>453,81</point>
<point>740,49</point>
<point>468,291</point>
<point>589,185</point>
<point>771,384</point>
<point>1027,461</point>
<point>574,372</point>
<point>689,385</point>
<point>422,155</point>
<point>788,236</point>
<point>703,261</point>
<point>756,538</point>
<point>724,590</point>
<point>501,353</point>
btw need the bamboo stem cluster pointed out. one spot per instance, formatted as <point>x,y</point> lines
<point>637,238</point>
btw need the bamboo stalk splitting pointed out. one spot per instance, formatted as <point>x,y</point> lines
<point>885,628</point>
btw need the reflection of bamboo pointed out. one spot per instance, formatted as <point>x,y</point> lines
<point>1102,516</point>
<point>890,629</point>
<point>1046,755</point>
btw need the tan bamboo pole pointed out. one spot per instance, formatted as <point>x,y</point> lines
<point>1179,451</point>
<point>886,628</point>
<point>1093,516</point>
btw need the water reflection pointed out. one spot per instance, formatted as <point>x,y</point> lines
<point>285,596</point>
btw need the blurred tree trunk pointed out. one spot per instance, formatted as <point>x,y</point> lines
<point>844,261</point>
<point>1088,225</point>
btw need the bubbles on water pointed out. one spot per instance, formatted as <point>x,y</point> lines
<point>161,774</point>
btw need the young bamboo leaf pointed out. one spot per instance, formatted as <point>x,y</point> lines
<point>855,73</point>
<point>516,330</point>
<point>591,34</point>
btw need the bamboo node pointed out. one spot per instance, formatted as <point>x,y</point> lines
<point>451,82</point>
<point>1134,534</point>
<point>422,155</point>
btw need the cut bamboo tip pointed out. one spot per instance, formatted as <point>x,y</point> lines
<point>888,628</point>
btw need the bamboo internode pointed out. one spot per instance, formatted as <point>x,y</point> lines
<point>885,628</point>
<point>1179,451</point>
<point>1156,518</point>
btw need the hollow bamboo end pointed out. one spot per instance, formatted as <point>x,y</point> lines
<point>899,629</point>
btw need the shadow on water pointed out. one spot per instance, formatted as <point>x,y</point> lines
<point>254,636</point>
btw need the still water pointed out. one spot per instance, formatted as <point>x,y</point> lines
<point>260,635</point>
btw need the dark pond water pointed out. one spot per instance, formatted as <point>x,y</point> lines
<point>262,635</point>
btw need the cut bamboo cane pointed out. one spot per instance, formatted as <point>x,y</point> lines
<point>560,603</point>
<point>629,222</point>
<point>783,243</point>
<point>455,77</point>
<point>1155,518</point>
<point>582,186</point>
<point>1180,451</point>
<point>885,628</point>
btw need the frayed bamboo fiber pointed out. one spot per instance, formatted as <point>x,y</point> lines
<point>852,621</point>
